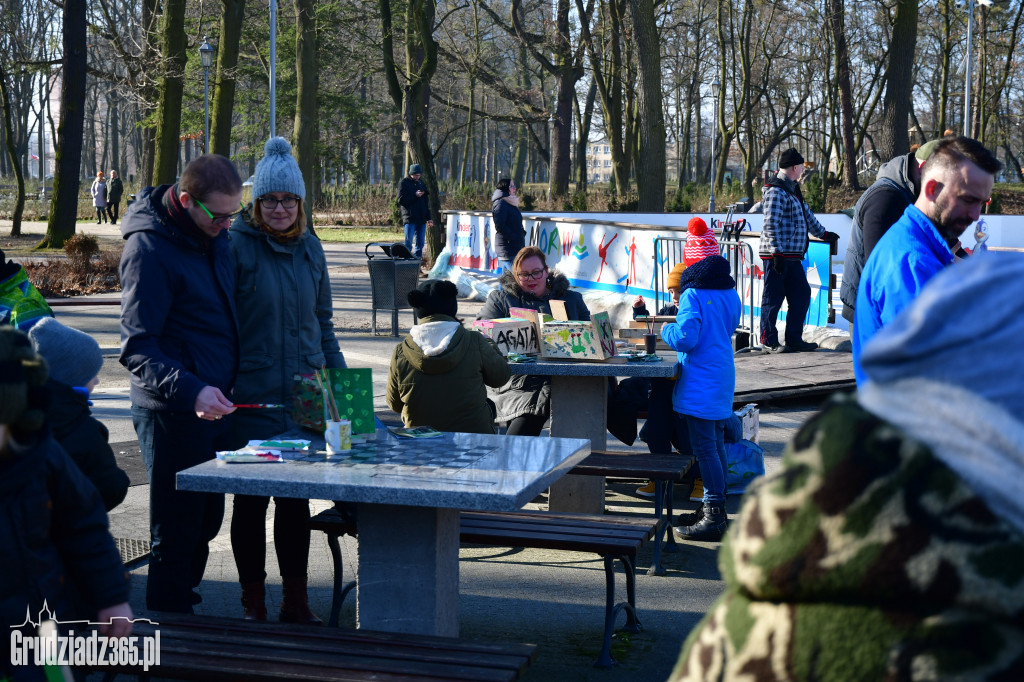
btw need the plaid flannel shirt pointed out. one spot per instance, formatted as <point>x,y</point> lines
<point>787,220</point>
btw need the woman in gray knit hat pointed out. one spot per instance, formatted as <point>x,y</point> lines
<point>283,296</point>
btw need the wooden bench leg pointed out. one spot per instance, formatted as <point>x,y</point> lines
<point>605,659</point>
<point>340,591</point>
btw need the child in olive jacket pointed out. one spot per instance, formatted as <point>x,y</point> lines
<point>439,371</point>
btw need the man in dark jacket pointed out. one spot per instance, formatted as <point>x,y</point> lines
<point>179,340</point>
<point>114,193</point>
<point>507,219</point>
<point>412,198</point>
<point>787,221</point>
<point>883,203</point>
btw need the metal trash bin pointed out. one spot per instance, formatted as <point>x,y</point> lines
<point>393,275</point>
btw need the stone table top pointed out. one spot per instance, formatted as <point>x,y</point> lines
<point>575,368</point>
<point>456,470</point>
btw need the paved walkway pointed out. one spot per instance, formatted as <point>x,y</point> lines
<point>554,599</point>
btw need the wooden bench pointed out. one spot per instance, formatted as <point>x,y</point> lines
<point>660,468</point>
<point>225,649</point>
<point>609,536</point>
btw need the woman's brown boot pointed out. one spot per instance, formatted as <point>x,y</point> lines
<point>254,601</point>
<point>295,603</point>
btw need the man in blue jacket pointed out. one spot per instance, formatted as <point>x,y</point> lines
<point>179,340</point>
<point>956,181</point>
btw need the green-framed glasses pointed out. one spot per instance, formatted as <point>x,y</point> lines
<point>219,219</point>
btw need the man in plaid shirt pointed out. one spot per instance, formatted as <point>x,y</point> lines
<point>787,220</point>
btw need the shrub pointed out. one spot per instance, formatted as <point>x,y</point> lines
<point>80,249</point>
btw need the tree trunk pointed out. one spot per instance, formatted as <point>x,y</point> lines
<point>68,150</point>
<point>5,102</point>
<point>231,14</point>
<point>168,120</point>
<point>838,29</point>
<point>650,167</point>
<point>305,98</point>
<point>893,138</point>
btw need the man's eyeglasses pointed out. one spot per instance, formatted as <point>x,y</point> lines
<point>270,203</point>
<point>219,219</point>
<point>536,274</point>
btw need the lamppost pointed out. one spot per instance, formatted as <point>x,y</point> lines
<point>273,66</point>
<point>715,86</point>
<point>551,153</point>
<point>969,64</point>
<point>206,59</point>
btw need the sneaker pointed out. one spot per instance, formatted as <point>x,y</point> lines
<point>646,490</point>
<point>773,348</point>
<point>801,346</point>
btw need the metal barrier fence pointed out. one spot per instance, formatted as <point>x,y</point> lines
<point>668,252</point>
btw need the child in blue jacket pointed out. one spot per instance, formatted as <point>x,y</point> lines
<point>709,311</point>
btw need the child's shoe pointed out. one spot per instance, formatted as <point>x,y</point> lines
<point>646,490</point>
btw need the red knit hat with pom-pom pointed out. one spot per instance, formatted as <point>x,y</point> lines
<point>700,242</point>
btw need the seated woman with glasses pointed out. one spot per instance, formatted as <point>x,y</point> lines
<point>283,295</point>
<point>525,401</point>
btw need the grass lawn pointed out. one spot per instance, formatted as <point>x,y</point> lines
<point>360,234</point>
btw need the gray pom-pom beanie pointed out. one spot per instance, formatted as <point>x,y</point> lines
<point>278,171</point>
<point>74,357</point>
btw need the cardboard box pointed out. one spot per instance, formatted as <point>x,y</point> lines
<point>577,339</point>
<point>510,334</point>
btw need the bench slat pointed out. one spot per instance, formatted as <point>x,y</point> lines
<point>668,467</point>
<point>208,648</point>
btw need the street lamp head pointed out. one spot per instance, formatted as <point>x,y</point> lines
<point>206,53</point>
<point>715,87</point>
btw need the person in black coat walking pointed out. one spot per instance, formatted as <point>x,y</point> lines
<point>114,193</point>
<point>509,235</point>
<point>412,198</point>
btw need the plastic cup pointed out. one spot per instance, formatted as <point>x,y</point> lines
<point>650,343</point>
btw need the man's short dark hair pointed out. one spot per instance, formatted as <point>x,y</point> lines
<point>950,152</point>
<point>208,174</point>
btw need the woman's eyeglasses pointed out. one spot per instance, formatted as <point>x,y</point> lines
<point>218,219</point>
<point>536,274</point>
<point>270,203</point>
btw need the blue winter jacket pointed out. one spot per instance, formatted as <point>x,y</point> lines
<point>179,330</point>
<point>702,336</point>
<point>909,255</point>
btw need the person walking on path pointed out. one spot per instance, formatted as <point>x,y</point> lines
<point>179,340</point>
<point>787,221</point>
<point>283,296</point>
<point>897,186</point>
<point>99,197</point>
<point>956,182</point>
<point>114,194</point>
<point>507,219</point>
<point>412,198</point>
<point>525,401</point>
<point>439,372</point>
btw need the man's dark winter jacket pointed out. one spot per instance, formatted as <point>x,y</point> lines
<point>877,209</point>
<point>524,394</point>
<point>509,235</point>
<point>415,210</point>
<point>116,191</point>
<point>54,542</point>
<point>85,439</point>
<point>179,331</point>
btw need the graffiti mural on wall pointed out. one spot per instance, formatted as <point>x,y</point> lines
<point>618,258</point>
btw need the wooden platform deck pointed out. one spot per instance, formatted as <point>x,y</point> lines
<point>762,377</point>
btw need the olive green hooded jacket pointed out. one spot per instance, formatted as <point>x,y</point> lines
<point>438,373</point>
